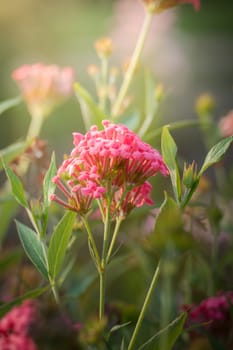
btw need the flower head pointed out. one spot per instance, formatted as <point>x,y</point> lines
<point>156,6</point>
<point>110,163</point>
<point>14,328</point>
<point>43,87</point>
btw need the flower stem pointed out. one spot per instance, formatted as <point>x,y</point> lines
<point>144,307</point>
<point>35,125</point>
<point>133,63</point>
<point>114,236</point>
<point>92,241</point>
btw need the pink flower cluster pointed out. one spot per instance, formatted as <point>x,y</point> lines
<point>113,163</point>
<point>14,328</point>
<point>214,313</point>
<point>44,86</point>
<point>226,125</point>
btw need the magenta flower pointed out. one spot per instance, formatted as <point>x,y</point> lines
<point>43,87</point>
<point>213,314</point>
<point>110,163</point>
<point>14,328</point>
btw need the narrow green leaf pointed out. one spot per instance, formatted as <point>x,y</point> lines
<point>17,187</point>
<point>171,332</point>
<point>59,242</point>
<point>216,153</point>
<point>90,110</point>
<point>12,102</point>
<point>11,152</point>
<point>33,247</point>
<point>169,230</point>
<point>169,151</point>
<point>29,295</point>
<point>48,185</point>
<point>119,326</point>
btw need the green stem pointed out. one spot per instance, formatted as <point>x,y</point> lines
<point>103,85</point>
<point>114,236</point>
<point>55,294</point>
<point>102,272</point>
<point>35,126</point>
<point>144,307</point>
<point>92,241</point>
<point>133,63</point>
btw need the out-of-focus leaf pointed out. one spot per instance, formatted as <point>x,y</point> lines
<point>169,151</point>
<point>82,285</point>
<point>29,295</point>
<point>17,187</point>
<point>10,258</point>
<point>59,242</point>
<point>33,247</point>
<point>92,115</point>
<point>11,152</point>
<point>169,232</point>
<point>8,209</point>
<point>7,104</point>
<point>119,326</point>
<point>216,153</point>
<point>170,333</point>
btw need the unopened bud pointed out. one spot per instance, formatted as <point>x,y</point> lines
<point>189,174</point>
<point>104,47</point>
<point>205,105</point>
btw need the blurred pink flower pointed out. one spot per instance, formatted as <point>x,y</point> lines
<point>214,312</point>
<point>43,87</point>
<point>14,328</point>
<point>226,125</point>
<point>113,161</point>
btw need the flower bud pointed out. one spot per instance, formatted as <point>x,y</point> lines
<point>104,47</point>
<point>205,105</point>
<point>226,125</point>
<point>189,174</point>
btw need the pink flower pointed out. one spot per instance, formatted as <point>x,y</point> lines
<point>214,312</point>
<point>43,87</point>
<point>14,328</point>
<point>226,125</point>
<point>111,162</point>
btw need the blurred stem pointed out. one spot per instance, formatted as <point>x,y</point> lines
<point>144,307</point>
<point>55,294</point>
<point>103,85</point>
<point>35,126</point>
<point>133,63</point>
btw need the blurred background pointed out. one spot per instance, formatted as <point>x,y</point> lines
<point>189,52</point>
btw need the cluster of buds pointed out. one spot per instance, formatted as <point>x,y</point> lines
<point>112,165</point>
<point>44,87</point>
<point>14,328</point>
<point>156,6</point>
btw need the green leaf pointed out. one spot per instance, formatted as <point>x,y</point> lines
<point>11,152</point>
<point>29,295</point>
<point>169,333</point>
<point>119,326</point>
<point>216,153</point>
<point>169,232</point>
<point>59,242</point>
<point>12,102</point>
<point>8,209</point>
<point>48,185</point>
<point>169,151</point>
<point>17,187</point>
<point>33,247</point>
<point>92,114</point>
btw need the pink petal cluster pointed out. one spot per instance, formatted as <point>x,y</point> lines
<point>44,86</point>
<point>214,312</point>
<point>111,162</point>
<point>14,328</point>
